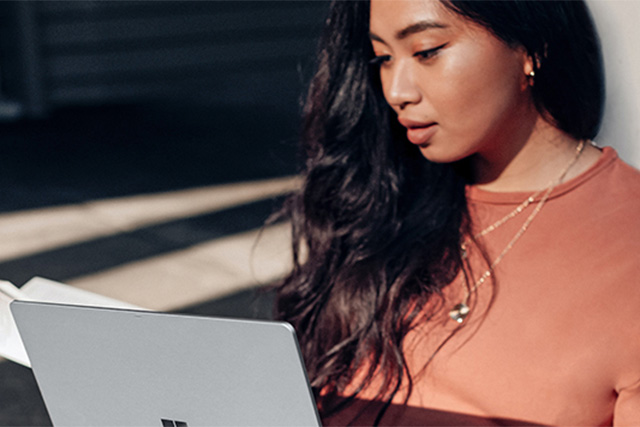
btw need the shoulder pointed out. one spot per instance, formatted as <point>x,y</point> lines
<point>614,240</point>
<point>614,166</point>
<point>608,212</point>
<point>608,159</point>
<point>610,191</point>
<point>621,178</point>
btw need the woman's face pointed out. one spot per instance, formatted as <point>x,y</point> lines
<point>457,88</point>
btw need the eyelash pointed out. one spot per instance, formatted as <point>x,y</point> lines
<point>377,61</point>
<point>423,55</point>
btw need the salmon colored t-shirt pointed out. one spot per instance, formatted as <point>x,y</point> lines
<point>560,343</point>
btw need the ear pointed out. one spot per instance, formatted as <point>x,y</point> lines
<point>527,68</point>
<point>530,67</point>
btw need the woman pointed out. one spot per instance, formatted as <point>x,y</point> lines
<point>463,253</point>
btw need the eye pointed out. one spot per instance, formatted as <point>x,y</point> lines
<point>429,53</point>
<point>379,60</point>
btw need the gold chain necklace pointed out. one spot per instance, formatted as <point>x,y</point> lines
<point>461,310</point>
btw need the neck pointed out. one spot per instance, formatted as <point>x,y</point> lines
<point>527,164</point>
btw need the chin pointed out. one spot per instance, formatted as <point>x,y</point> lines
<point>435,155</point>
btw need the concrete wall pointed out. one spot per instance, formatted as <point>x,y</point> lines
<point>618,23</point>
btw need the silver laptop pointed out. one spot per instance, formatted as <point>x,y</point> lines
<point>112,367</point>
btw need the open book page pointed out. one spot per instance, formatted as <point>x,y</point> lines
<point>10,343</point>
<point>45,290</point>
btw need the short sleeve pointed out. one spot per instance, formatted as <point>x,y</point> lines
<point>627,409</point>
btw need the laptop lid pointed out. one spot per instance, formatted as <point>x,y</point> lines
<point>114,367</point>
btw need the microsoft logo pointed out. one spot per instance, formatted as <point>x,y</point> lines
<point>173,423</point>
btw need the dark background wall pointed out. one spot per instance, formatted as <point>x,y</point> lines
<point>110,98</point>
<point>61,53</point>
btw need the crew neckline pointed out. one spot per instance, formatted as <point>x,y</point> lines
<point>475,194</point>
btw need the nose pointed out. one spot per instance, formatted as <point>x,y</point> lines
<point>400,88</point>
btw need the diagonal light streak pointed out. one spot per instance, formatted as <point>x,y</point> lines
<point>27,232</point>
<point>199,273</point>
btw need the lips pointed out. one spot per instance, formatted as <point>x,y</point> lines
<point>418,133</point>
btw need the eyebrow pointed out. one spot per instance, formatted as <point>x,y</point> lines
<point>418,27</point>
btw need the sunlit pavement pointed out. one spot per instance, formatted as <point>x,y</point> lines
<point>163,207</point>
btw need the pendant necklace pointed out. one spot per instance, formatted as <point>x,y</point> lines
<point>461,310</point>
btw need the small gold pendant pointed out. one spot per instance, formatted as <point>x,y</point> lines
<point>459,312</point>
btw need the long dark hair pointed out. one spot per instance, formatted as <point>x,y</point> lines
<point>376,227</point>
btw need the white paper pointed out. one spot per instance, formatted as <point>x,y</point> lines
<point>44,290</point>
<point>10,343</point>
